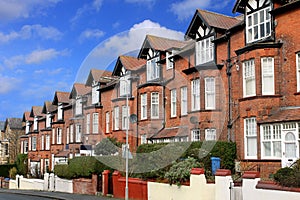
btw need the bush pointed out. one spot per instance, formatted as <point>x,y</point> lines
<point>180,172</point>
<point>13,173</point>
<point>80,167</point>
<point>289,177</point>
<point>4,169</point>
<point>21,164</point>
<point>107,146</point>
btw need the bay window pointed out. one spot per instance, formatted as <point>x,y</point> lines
<point>153,69</point>
<point>144,106</point>
<point>154,105</point>
<point>271,141</point>
<point>204,50</point>
<point>125,85</point>
<point>95,123</point>
<point>195,94</point>
<point>210,94</point>
<point>95,94</point>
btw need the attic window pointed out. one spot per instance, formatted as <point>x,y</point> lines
<point>204,51</point>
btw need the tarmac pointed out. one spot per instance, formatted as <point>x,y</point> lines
<point>55,195</point>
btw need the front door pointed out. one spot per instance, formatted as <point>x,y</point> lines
<point>290,148</point>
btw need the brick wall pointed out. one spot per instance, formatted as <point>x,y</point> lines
<point>85,186</point>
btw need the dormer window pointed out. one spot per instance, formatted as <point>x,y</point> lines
<point>48,120</point>
<point>95,93</point>
<point>125,85</point>
<point>60,111</point>
<point>78,106</point>
<point>258,25</point>
<point>35,123</point>
<point>204,50</point>
<point>153,68</point>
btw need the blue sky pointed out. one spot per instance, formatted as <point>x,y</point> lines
<point>47,45</point>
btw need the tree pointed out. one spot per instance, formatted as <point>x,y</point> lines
<point>107,146</point>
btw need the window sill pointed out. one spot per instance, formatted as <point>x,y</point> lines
<point>297,93</point>
<point>259,97</point>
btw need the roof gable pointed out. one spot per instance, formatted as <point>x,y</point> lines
<point>48,107</point>
<point>36,111</point>
<point>61,97</point>
<point>26,116</point>
<point>95,75</point>
<point>129,63</point>
<point>210,22</point>
<point>159,44</point>
<point>79,89</point>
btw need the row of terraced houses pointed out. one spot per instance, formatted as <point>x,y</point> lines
<point>231,79</point>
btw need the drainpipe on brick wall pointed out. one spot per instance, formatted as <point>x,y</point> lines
<point>228,73</point>
<point>137,112</point>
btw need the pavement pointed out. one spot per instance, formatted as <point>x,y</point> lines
<point>55,195</point>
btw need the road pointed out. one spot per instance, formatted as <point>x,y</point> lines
<point>9,196</point>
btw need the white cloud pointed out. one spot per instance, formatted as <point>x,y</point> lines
<point>186,8</point>
<point>13,9</point>
<point>94,6</point>
<point>127,42</point>
<point>35,57</point>
<point>32,31</point>
<point>147,2</point>
<point>91,33</point>
<point>8,84</point>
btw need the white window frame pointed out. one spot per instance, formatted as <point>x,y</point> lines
<point>169,60</point>
<point>298,70</point>
<point>78,106</point>
<point>125,85</point>
<point>42,142</point>
<point>48,120</point>
<point>143,139</point>
<point>267,70</point>
<point>34,143</point>
<point>271,137</point>
<point>254,30</point>
<point>153,69</point>
<point>25,147</point>
<point>154,105</point>
<point>195,94</point>
<point>195,135</point>
<point>68,135</point>
<point>35,123</point>
<point>184,101</point>
<point>59,136</point>
<point>60,111</point>
<point>173,103</point>
<point>27,129</point>
<point>210,134</point>
<point>71,133</point>
<point>78,133</point>
<point>205,50</point>
<point>249,81</point>
<point>95,94</point>
<point>53,136</point>
<point>95,123</point>
<point>144,106</point>
<point>125,117</point>
<point>107,122</point>
<point>88,123</point>
<point>47,147</point>
<point>116,118</point>
<point>29,143</point>
<point>210,93</point>
<point>250,133</point>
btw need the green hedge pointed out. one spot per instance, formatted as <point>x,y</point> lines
<point>79,167</point>
<point>151,156</point>
<point>21,164</point>
<point>4,170</point>
<point>289,177</point>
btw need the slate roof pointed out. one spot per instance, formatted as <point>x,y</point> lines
<point>159,44</point>
<point>26,116</point>
<point>36,111</point>
<point>80,89</point>
<point>48,107</point>
<point>130,63</point>
<point>14,123</point>
<point>61,97</point>
<point>282,115</point>
<point>172,132</point>
<point>218,20</point>
<point>95,75</point>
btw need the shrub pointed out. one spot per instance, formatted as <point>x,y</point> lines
<point>180,172</point>
<point>21,164</point>
<point>107,146</point>
<point>289,176</point>
<point>13,173</point>
<point>4,169</point>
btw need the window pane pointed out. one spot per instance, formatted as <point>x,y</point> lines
<point>251,146</point>
<point>267,148</point>
<point>277,149</point>
<point>255,19</point>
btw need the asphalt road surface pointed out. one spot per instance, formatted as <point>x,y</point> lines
<point>7,196</point>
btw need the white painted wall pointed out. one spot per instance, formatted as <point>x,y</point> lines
<point>63,185</point>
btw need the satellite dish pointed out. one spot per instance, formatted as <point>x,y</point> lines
<point>194,120</point>
<point>133,118</point>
